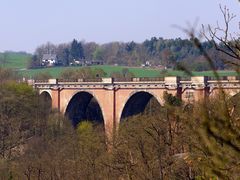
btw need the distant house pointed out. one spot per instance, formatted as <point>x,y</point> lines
<point>49,60</point>
<point>77,63</point>
<point>147,64</point>
<point>93,62</point>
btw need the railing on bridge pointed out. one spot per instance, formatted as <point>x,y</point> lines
<point>67,80</point>
<point>122,79</point>
<point>80,80</point>
<point>151,79</point>
<point>140,79</point>
<point>90,80</point>
<point>210,78</point>
<point>221,78</point>
<point>185,78</point>
<point>41,81</point>
<point>171,80</point>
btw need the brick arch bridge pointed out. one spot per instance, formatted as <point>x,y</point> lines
<point>114,99</point>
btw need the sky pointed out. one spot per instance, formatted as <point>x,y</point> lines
<point>26,24</point>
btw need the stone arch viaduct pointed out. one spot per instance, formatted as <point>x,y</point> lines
<point>114,99</point>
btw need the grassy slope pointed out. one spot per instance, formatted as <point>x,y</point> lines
<point>56,71</point>
<point>14,60</point>
<point>138,72</point>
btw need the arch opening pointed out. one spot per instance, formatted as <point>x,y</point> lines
<point>46,101</point>
<point>83,106</point>
<point>140,103</point>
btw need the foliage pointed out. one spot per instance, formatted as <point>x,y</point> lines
<point>35,62</point>
<point>125,73</point>
<point>54,150</point>
<point>98,54</point>
<point>18,104</point>
<point>172,100</point>
<point>158,51</point>
<point>152,145</point>
<point>215,137</point>
<point>76,50</point>
<point>84,127</point>
<point>42,76</point>
<point>83,73</point>
<point>7,75</point>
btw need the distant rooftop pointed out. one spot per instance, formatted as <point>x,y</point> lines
<point>49,56</point>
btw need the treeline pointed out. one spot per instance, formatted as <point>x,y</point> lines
<point>171,53</point>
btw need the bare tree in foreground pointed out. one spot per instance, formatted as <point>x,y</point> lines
<point>223,40</point>
<point>216,141</point>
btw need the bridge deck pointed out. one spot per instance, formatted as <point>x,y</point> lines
<point>198,82</point>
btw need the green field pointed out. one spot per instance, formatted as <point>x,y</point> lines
<point>14,60</point>
<point>19,62</point>
<point>56,71</point>
<point>138,72</point>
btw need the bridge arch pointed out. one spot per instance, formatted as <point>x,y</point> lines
<point>84,105</point>
<point>46,99</point>
<point>45,93</point>
<point>137,102</point>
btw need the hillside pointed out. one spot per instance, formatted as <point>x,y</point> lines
<point>19,61</point>
<point>14,60</point>
<point>138,72</point>
<point>171,53</point>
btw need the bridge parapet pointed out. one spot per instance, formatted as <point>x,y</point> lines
<point>224,78</point>
<point>195,82</point>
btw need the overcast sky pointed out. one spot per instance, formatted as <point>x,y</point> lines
<point>26,24</point>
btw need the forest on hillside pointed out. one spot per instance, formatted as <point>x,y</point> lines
<point>169,53</point>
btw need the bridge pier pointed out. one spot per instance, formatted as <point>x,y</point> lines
<point>106,99</point>
<point>55,94</point>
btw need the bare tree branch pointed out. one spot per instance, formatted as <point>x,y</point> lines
<point>222,39</point>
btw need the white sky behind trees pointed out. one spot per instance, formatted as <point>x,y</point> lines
<point>26,24</point>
